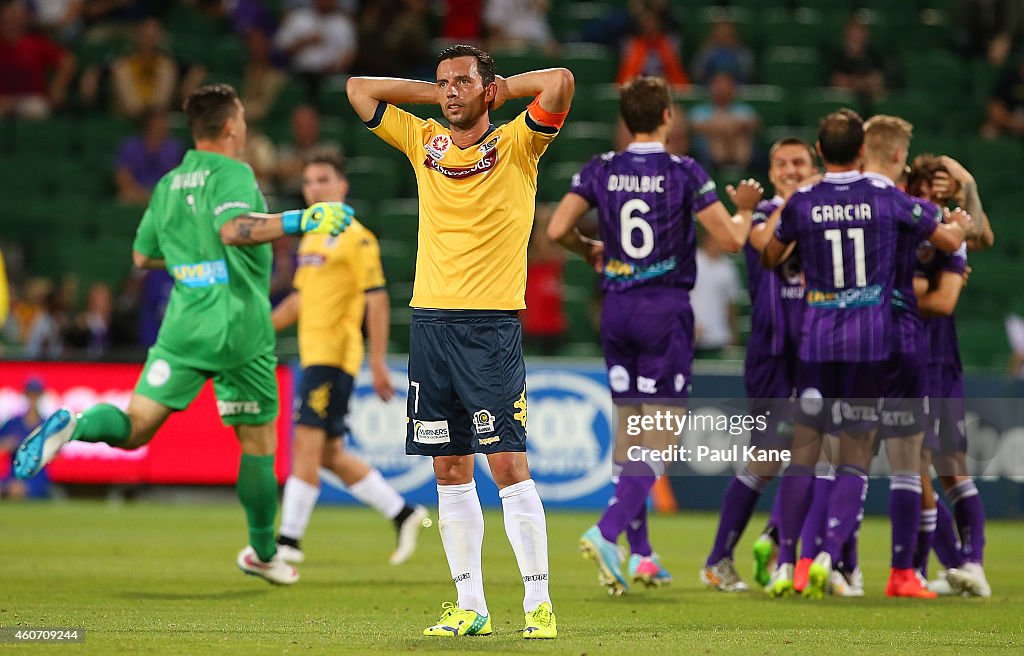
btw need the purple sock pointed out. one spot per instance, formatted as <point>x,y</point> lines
<point>636,533</point>
<point>738,505</point>
<point>845,503</point>
<point>947,544</point>
<point>635,483</point>
<point>904,516</point>
<point>925,538</point>
<point>970,519</point>
<point>851,555</point>
<point>794,498</point>
<point>813,534</point>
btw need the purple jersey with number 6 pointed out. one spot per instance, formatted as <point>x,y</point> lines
<point>646,199</point>
<point>847,227</point>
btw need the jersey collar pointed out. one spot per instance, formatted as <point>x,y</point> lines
<point>490,131</point>
<point>645,147</point>
<point>884,179</point>
<point>843,176</point>
<point>777,200</point>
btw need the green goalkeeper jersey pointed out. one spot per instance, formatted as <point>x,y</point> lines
<point>218,316</point>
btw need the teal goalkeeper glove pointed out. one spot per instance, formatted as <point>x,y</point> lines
<point>320,218</point>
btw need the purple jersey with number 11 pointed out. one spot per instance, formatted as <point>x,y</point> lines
<point>646,199</point>
<point>847,227</point>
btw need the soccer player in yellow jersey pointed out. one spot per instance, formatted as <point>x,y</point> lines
<point>467,395</point>
<point>338,278</point>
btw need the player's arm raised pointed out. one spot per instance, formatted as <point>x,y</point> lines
<point>731,231</point>
<point>366,93</point>
<point>745,196</point>
<point>258,228</point>
<point>982,237</point>
<point>562,228</point>
<point>948,236</point>
<point>553,88</point>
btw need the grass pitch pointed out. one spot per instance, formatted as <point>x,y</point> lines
<point>154,578</point>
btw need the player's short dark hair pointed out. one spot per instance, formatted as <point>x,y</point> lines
<point>840,136</point>
<point>329,157</point>
<point>208,107</point>
<point>642,103</point>
<point>484,61</point>
<point>793,141</point>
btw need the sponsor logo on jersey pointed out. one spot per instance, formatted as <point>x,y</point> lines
<point>202,274</point>
<point>431,432</point>
<point>489,146</point>
<point>619,270</point>
<point>486,441</point>
<point>159,372</point>
<point>312,259</point>
<point>483,422</point>
<point>486,163</point>
<point>646,385</point>
<point>231,204</point>
<point>845,298</point>
<point>618,378</point>
<point>438,146</point>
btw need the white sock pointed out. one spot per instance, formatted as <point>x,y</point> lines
<point>461,522</point>
<point>524,524</point>
<point>297,507</point>
<point>372,490</point>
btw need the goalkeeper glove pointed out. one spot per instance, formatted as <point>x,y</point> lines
<point>320,218</point>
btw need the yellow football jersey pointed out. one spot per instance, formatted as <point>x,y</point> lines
<point>332,277</point>
<point>476,208</point>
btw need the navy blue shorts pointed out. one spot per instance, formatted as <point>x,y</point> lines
<point>467,383</point>
<point>322,400</point>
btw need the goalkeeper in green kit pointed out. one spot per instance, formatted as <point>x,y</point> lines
<point>206,224</point>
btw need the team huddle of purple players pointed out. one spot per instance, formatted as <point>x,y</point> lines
<point>854,273</point>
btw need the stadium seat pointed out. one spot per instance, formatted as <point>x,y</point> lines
<point>398,220</point>
<point>937,72</point>
<point>769,101</point>
<point>702,20</point>
<point>554,181</point>
<point>374,178</point>
<point>938,145</point>
<point>782,27</point>
<point>579,142</point>
<point>599,103</point>
<point>511,62</point>
<point>918,108</point>
<point>792,68</point>
<point>590,64</point>
<point>996,153</point>
<point>568,18</point>
<point>814,104</point>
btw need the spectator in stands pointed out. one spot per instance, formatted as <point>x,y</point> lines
<point>544,321</point>
<point>463,21</point>
<point>262,80</point>
<point>858,66</point>
<point>723,52</point>
<point>62,19</point>
<point>519,24</point>
<point>714,296</point>
<point>12,433</point>
<point>145,78</point>
<point>724,128</point>
<point>1006,104</point>
<point>678,137</point>
<point>653,51</point>
<point>321,41</point>
<point>91,328</point>
<point>46,333</point>
<point>989,28</point>
<point>144,158</point>
<point>26,62</point>
<point>395,40</point>
<point>305,140</point>
<point>261,154</point>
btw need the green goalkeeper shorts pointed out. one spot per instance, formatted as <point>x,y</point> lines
<point>245,395</point>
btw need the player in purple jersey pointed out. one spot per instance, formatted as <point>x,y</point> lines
<point>646,201</point>
<point>846,226</point>
<point>941,277</point>
<point>776,298</point>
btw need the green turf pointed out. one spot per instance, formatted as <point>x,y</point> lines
<point>157,578</point>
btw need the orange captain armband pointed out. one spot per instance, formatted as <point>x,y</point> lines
<point>549,119</point>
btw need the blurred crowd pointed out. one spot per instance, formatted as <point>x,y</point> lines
<point>137,59</point>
